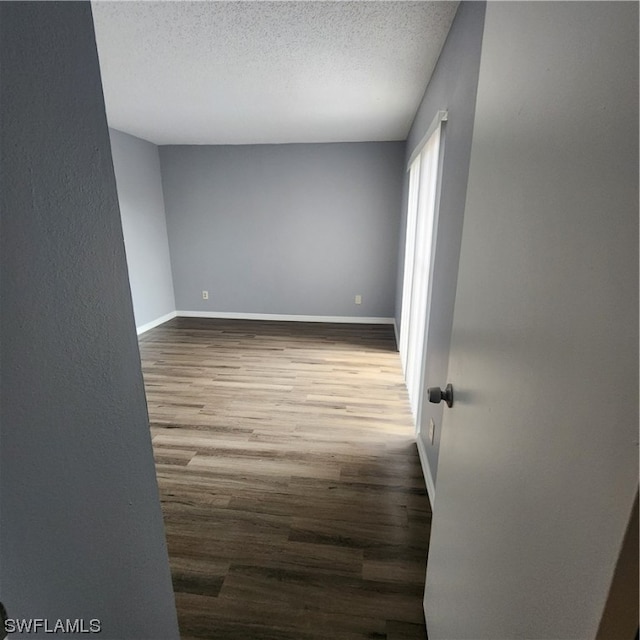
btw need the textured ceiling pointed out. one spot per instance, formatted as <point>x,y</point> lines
<point>182,72</point>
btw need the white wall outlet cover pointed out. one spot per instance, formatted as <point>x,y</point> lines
<point>358,299</point>
<point>205,295</point>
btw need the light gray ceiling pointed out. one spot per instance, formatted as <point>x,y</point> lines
<point>211,72</point>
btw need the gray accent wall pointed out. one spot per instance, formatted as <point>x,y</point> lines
<point>136,164</point>
<point>284,229</point>
<point>452,87</point>
<point>82,533</point>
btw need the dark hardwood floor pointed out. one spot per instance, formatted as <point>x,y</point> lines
<point>293,499</point>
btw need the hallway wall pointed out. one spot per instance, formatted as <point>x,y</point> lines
<point>82,533</point>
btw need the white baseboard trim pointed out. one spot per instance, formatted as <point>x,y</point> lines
<point>154,323</point>
<point>282,317</point>
<point>426,470</point>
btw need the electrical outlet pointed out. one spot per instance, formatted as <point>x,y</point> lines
<point>432,430</point>
<point>358,299</point>
<point>205,295</point>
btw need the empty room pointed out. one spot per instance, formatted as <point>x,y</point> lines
<point>319,319</point>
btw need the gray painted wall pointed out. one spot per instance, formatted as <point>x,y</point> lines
<point>137,167</point>
<point>453,87</point>
<point>284,229</point>
<point>539,457</point>
<point>82,532</point>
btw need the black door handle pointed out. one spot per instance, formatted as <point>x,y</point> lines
<point>436,395</point>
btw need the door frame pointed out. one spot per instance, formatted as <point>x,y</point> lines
<point>414,216</point>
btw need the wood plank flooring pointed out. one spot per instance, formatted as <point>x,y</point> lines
<point>292,494</point>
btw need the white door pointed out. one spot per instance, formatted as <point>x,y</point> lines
<point>430,272</point>
<point>422,218</point>
<point>538,464</point>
